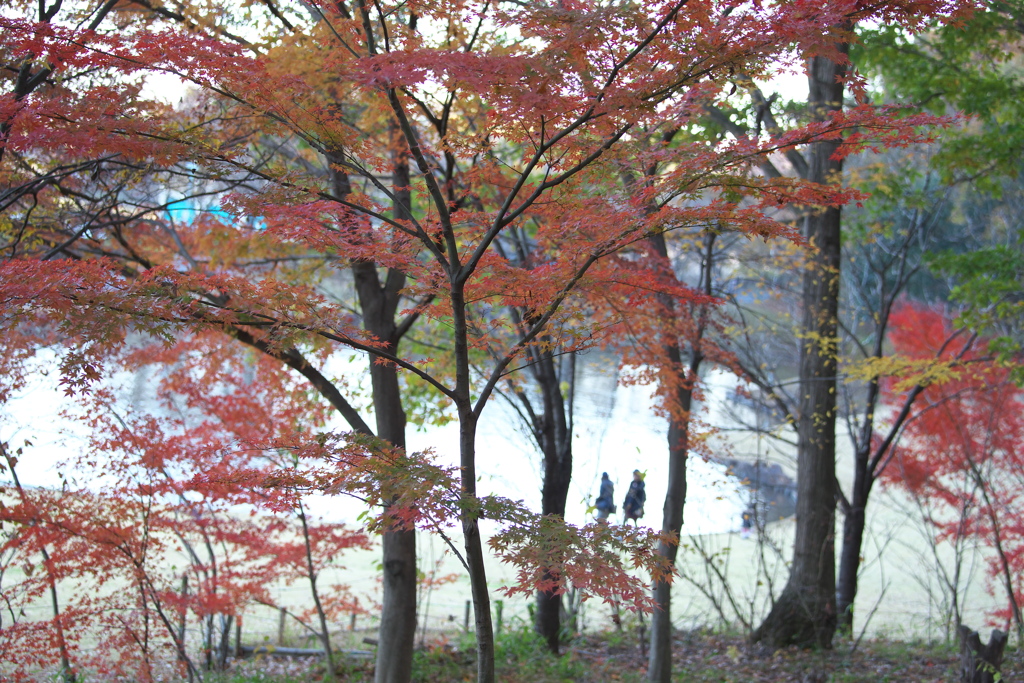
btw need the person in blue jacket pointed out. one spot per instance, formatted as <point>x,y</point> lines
<point>633,506</point>
<point>605,502</point>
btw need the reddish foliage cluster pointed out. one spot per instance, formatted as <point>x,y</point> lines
<point>960,453</point>
<point>157,535</point>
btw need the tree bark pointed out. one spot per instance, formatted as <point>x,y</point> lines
<point>980,663</point>
<point>659,663</point>
<point>556,444</point>
<point>805,613</point>
<point>854,523</point>
<point>855,511</point>
<point>397,632</point>
<point>378,303</point>
<point>469,513</point>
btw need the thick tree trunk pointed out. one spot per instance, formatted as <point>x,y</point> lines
<point>398,608</point>
<point>397,633</point>
<point>805,613</point>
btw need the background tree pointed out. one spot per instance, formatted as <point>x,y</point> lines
<point>151,534</point>
<point>887,244</point>
<point>959,448</point>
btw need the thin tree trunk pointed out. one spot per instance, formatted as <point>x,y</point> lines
<point>469,514</point>
<point>659,664</point>
<point>855,510</point>
<point>225,642</point>
<point>868,466</point>
<point>475,554</point>
<point>183,621</point>
<point>66,673</point>
<point>556,444</point>
<point>805,613</point>
<point>849,560</point>
<point>325,633</point>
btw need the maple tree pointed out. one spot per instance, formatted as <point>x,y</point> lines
<point>960,449</point>
<point>669,334</point>
<point>506,116</point>
<point>889,254</point>
<point>132,512</point>
<point>542,396</point>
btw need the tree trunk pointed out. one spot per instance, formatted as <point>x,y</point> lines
<point>980,663</point>
<point>225,642</point>
<point>67,673</point>
<point>396,636</point>
<point>474,549</point>
<point>853,539</point>
<point>469,514</point>
<point>397,633</point>
<point>378,303</point>
<point>311,574</point>
<point>659,663</point>
<point>556,445</point>
<point>805,613</point>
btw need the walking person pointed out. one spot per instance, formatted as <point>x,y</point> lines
<point>747,525</point>
<point>636,496</point>
<point>605,502</point>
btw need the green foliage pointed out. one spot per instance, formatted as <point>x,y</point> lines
<point>974,68</point>
<point>524,651</point>
<point>990,289</point>
<point>521,656</point>
<point>440,662</point>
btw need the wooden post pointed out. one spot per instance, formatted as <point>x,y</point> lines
<point>465,619</point>
<point>352,623</point>
<point>980,663</point>
<point>500,607</point>
<point>280,626</point>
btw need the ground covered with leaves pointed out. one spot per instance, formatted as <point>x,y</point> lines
<point>699,656</point>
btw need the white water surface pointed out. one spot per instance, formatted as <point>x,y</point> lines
<point>616,430</point>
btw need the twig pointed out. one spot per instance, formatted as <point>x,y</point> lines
<point>868,620</point>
